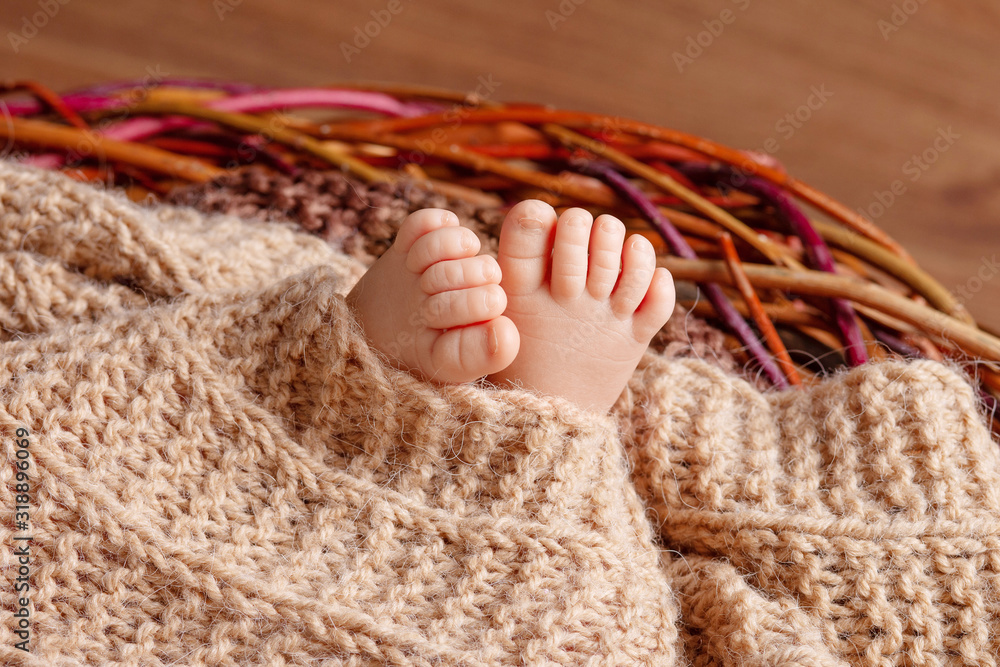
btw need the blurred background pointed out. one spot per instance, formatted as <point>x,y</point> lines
<point>891,107</point>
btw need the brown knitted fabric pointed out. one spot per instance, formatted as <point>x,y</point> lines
<point>225,473</point>
<point>230,476</point>
<point>359,218</point>
<point>857,521</point>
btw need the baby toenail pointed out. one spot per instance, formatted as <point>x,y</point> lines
<point>492,301</point>
<point>492,344</point>
<point>489,272</point>
<point>530,223</point>
<point>608,225</point>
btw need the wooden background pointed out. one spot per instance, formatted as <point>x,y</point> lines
<point>885,80</point>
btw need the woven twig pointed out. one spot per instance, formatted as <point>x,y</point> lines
<point>863,294</point>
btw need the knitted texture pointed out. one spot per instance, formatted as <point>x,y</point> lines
<point>359,218</point>
<point>225,473</point>
<point>856,521</point>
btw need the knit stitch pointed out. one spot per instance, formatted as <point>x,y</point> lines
<point>861,515</point>
<point>225,473</point>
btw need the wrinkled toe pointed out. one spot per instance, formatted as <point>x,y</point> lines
<point>570,254</point>
<point>656,308</point>
<point>459,308</point>
<point>421,222</point>
<point>638,265</point>
<point>468,353</point>
<point>460,274</point>
<point>606,241</point>
<point>525,246</point>
<point>446,243</point>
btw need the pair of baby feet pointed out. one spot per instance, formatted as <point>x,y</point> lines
<point>567,308</point>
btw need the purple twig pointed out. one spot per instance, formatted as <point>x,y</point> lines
<point>816,248</point>
<point>681,248</point>
<point>895,343</point>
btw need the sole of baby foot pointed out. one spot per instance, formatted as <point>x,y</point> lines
<point>433,306</point>
<point>586,302</point>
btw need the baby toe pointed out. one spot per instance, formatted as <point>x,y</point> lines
<point>568,278</point>
<point>441,244</point>
<point>459,274</point>
<point>525,246</point>
<point>638,265</point>
<point>459,308</point>
<point>605,256</point>
<point>468,353</point>
<point>421,222</point>
<point>657,307</point>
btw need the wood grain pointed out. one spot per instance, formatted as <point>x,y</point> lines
<point>891,82</point>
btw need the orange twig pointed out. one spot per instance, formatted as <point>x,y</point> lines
<point>764,323</point>
<point>49,135</point>
<point>563,185</point>
<point>49,98</point>
<point>990,378</point>
<point>274,132</point>
<point>774,252</point>
<point>539,115</point>
<point>932,322</point>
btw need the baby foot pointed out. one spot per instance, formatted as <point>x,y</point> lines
<point>583,326</point>
<point>434,307</point>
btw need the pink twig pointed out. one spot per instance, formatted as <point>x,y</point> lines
<point>254,102</point>
<point>137,129</point>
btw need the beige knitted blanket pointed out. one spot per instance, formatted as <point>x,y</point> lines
<point>222,472</point>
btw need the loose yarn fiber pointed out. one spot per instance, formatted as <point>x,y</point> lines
<point>225,473</point>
